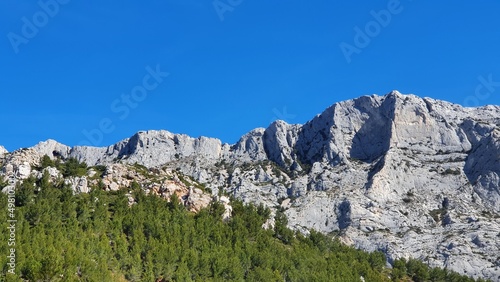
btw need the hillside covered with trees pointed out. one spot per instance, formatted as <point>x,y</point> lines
<point>100,237</point>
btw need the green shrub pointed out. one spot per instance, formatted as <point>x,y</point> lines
<point>46,162</point>
<point>72,167</point>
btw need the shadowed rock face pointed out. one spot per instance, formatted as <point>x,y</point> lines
<point>482,166</point>
<point>372,140</point>
<point>408,175</point>
<point>344,215</point>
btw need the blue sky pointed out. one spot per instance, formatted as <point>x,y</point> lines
<point>233,65</point>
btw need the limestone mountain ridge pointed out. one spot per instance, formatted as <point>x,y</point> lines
<point>410,176</point>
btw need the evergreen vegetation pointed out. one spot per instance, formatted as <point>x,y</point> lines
<point>70,167</point>
<point>98,237</point>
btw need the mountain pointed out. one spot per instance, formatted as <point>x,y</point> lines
<point>409,176</point>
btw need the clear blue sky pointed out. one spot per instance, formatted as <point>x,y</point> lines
<point>240,65</point>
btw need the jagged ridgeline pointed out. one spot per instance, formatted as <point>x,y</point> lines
<point>406,176</point>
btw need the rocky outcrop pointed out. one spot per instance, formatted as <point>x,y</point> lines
<point>249,148</point>
<point>3,151</point>
<point>406,175</point>
<point>228,209</point>
<point>78,184</point>
<point>23,170</point>
<point>52,149</point>
<point>279,141</point>
<point>196,200</point>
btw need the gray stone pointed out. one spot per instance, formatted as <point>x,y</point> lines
<point>23,170</point>
<point>3,151</point>
<point>78,184</point>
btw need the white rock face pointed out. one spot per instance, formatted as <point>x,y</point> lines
<point>78,184</point>
<point>197,200</point>
<point>53,172</point>
<point>23,170</point>
<point>3,151</point>
<point>52,149</point>
<point>410,176</point>
<point>228,209</point>
<point>249,148</point>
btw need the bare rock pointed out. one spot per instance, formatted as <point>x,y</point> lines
<point>78,184</point>
<point>23,170</point>
<point>3,151</point>
<point>197,200</point>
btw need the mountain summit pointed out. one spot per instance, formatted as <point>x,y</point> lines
<point>410,176</point>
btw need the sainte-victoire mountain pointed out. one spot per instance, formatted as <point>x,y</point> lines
<point>409,176</point>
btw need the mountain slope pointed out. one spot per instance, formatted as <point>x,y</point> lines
<point>406,175</point>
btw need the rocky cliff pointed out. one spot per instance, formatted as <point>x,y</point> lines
<point>406,175</point>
